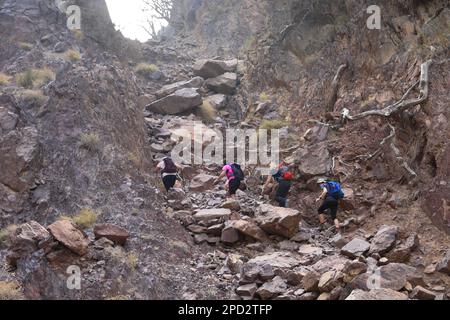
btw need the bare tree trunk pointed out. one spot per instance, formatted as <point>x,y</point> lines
<point>332,92</point>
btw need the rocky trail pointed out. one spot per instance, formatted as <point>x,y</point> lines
<point>86,115</point>
<point>261,251</point>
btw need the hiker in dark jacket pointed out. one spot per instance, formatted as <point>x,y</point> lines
<point>283,178</point>
<point>169,172</point>
<point>330,202</point>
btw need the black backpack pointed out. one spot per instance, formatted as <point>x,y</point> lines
<point>169,166</point>
<point>237,171</point>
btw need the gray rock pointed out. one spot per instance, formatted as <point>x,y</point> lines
<point>211,214</point>
<point>272,289</point>
<point>178,102</point>
<point>310,281</point>
<point>247,290</point>
<point>229,235</point>
<point>202,182</point>
<point>169,89</point>
<point>217,101</point>
<point>355,248</point>
<point>376,294</point>
<point>313,161</point>
<point>444,264</point>
<point>279,221</point>
<point>421,293</point>
<point>384,240</point>
<point>225,84</point>
<point>60,47</point>
<point>210,68</point>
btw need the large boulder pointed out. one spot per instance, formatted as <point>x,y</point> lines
<point>112,232</point>
<point>26,239</point>
<point>212,214</point>
<point>355,248</point>
<point>208,68</point>
<point>384,240</point>
<point>166,90</point>
<point>68,235</point>
<point>279,221</point>
<point>313,160</point>
<point>249,229</point>
<point>403,252</point>
<point>225,83</point>
<point>202,182</point>
<point>180,101</point>
<point>376,294</point>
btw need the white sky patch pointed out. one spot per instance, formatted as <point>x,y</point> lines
<point>129,18</point>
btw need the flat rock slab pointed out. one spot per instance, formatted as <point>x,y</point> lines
<point>376,294</point>
<point>279,221</point>
<point>181,101</point>
<point>68,235</point>
<point>225,83</point>
<point>112,232</point>
<point>355,248</point>
<point>169,89</point>
<point>211,214</point>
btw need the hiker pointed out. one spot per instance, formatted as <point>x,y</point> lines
<point>169,172</point>
<point>234,175</point>
<point>283,177</point>
<point>331,193</point>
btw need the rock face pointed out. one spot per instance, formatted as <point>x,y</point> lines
<point>169,89</point>
<point>112,232</point>
<point>403,252</point>
<point>180,101</point>
<point>278,221</point>
<point>65,232</point>
<point>384,240</point>
<point>210,68</point>
<point>202,182</point>
<point>211,214</point>
<point>225,83</point>
<point>355,248</point>
<point>376,294</point>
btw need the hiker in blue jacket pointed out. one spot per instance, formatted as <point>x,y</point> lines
<point>331,193</point>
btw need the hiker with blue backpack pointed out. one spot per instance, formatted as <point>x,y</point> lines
<point>234,175</point>
<point>331,193</point>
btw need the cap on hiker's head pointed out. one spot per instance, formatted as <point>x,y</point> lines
<point>321,180</point>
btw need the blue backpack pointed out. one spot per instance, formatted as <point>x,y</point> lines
<point>335,190</point>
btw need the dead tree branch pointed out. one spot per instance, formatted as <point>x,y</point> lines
<point>332,93</point>
<point>400,105</point>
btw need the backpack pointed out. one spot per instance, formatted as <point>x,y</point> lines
<point>237,171</point>
<point>335,190</point>
<point>283,174</point>
<point>288,176</point>
<point>169,166</point>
